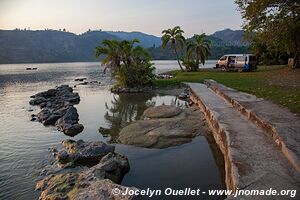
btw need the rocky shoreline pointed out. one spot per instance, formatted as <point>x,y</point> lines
<point>57,108</point>
<point>92,169</point>
<point>96,182</point>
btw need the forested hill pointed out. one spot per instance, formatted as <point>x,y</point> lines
<point>48,46</point>
<point>229,37</point>
<point>25,46</point>
<point>226,41</point>
<point>145,39</point>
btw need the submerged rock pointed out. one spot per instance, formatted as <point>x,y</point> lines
<point>83,83</point>
<point>31,68</point>
<point>95,82</point>
<point>80,79</point>
<point>58,109</point>
<point>168,128</point>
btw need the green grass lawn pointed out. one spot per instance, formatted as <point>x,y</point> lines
<point>279,84</point>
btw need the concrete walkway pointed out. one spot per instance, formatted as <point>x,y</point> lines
<point>278,122</point>
<point>252,158</point>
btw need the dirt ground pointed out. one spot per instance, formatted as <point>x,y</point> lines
<point>285,77</point>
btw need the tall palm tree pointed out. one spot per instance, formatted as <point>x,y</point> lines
<point>199,47</point>
<point>175,38</point>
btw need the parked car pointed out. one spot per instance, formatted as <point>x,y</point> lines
<point>237,62</point>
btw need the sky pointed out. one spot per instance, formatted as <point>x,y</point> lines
<point>148,16</point>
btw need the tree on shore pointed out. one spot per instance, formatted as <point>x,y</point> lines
<point>176,39</point>
<point>275,24</point>
<point>197,51</point>
<point>131,65</point>
<point>112,51</point>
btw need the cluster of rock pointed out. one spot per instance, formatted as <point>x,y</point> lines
<point>80,151</point>
<point>83,81</point>
<point>31,68</point>
<point>164,126</point>
<point>57,108</point>
<point>80,79</point>
<point>118,90</point>
<point>95,183</point>
<point>164,76</point>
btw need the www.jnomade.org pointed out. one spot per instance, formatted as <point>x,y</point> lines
<point>197,192</point>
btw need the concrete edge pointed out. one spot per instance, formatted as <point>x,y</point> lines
<point>222,138</point>
<point>266,126</point>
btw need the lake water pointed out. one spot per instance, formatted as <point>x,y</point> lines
<point>24,144</point>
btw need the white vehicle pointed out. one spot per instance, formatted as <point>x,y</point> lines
<point>237,62</point>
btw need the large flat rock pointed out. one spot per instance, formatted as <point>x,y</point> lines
<point>163,111</point>
<point>163,130</point>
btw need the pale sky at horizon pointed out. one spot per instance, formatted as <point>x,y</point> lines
<point>148,16</point>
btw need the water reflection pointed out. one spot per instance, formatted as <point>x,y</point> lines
<point>125,108</point>
<point>218,157</point>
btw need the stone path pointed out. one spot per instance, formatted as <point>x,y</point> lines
<point>252,158</point>
<point>278,122</point>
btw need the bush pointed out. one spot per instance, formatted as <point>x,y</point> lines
<point>135,75</point>
<point>130,64</point>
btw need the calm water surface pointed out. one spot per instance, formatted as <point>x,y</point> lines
<point>24,144</point>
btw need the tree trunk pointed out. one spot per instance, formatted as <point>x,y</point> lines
<point>197,60</point>
<point>177,57</point>
<point>297,59</point>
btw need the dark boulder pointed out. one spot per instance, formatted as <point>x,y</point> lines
<point>58,109</point>
<point>80,151</point>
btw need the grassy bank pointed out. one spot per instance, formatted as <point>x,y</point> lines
<point>279,84</point>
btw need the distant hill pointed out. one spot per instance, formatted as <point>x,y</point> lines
<point>145,39</point>
<point>229,37</point>
<point>24,46</point>
<point>49,46</point>
<point>223,42</point>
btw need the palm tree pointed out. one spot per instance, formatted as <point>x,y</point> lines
<point>177,40</point>
<point>199,47</point>
<point>130,64</point>
<point>113,55</point>
<point>133,54</point>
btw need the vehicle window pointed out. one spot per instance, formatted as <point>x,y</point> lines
<point>232,58</point>
<point>241,58</point>
<point>223,58</point>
